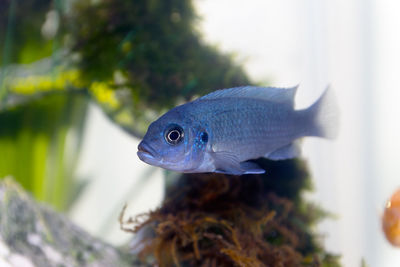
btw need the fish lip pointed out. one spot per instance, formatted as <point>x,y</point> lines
<point>146,151</point>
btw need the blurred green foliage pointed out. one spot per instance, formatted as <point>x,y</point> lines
<point>39,144</point>
<point>21,22</point>
<point>134,58</point>
<point>155,46</point>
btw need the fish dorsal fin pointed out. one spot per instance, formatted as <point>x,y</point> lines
<point>273,94</point>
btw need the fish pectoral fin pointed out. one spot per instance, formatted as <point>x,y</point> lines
<point>226,162</point>
<point>251,167</point>
<point>286,152</point>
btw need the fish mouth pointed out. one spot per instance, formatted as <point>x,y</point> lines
<point>145,152</point>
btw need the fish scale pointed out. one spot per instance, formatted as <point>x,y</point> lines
<point>235,126</point>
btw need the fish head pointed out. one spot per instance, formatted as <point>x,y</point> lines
<point>174,142</point>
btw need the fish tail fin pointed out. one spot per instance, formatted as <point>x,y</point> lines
<point>324,114</point>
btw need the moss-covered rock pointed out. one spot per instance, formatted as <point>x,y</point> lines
<point>222,220</point>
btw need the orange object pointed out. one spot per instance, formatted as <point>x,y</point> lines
<point>391,219</point>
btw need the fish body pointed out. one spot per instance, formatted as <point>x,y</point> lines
<point>221,131</point>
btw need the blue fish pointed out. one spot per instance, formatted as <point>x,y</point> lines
<point>222,131</point>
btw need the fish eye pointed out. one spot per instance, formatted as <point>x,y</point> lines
<point>174,135</point>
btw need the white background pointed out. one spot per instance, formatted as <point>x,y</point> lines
<point>353,46</point>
